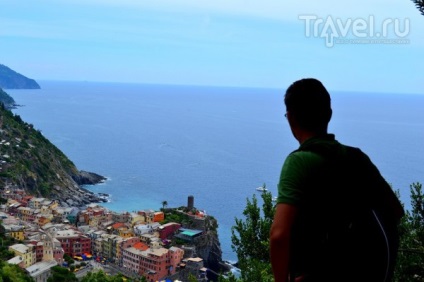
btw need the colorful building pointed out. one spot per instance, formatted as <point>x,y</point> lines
<point>124,232</point>
<point>123,244</point>
<point>136,218</point>
<point>168,229</point>
<point>27,214</point>
<point>27,252</point>
<point>189,234</point>
<point>73,215</point>
<point>15,231</point>
<point>108,245</point>
<point>158,217</point>
<point>153,263</point>
<point>36,203</point>
<point>73,242</point>
<point>146,228</point>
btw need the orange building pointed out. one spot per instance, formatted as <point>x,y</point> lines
<point>158,217</point>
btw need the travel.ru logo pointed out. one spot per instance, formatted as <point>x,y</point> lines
<point>357,31</point>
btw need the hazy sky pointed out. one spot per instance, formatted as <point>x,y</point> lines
<point>267,43</point>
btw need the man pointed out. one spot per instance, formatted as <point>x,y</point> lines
<point>333,205</point>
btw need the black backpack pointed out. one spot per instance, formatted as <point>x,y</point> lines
<point>346,229</point>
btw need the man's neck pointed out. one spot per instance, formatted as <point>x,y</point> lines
<point>302,136</point>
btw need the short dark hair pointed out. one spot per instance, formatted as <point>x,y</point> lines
<point>309,103</point>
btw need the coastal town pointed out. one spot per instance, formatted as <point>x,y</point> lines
<point>48,220</point>
<point>135,244</point>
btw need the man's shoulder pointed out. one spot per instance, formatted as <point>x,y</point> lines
<point>302,161</point>
<point>303,156</point>
<point>329,147</point>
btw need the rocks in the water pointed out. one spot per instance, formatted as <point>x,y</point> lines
<point>88,178</point>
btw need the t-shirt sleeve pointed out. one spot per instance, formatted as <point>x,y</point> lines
<point>291,186</point>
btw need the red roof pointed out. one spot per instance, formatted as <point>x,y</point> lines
<point>118,225</point>
<point>141,246</point>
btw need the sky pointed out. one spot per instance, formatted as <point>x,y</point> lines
<point>362,45</point>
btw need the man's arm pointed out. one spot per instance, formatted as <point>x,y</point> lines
<point>280,240</point>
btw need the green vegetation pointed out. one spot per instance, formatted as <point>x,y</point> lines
<point>5,99</point>
<point>29,159</point>
<point>62,274</point>
<point>410,262</point>
<point>9,272</point>
<point>175,216</point>
<point>13,273</point>
<point>250,241</point>
<point>420,5</point>
<point>68,259</point>
<point>191,278</point>
<point>100,276</point>
<point>6,241</point>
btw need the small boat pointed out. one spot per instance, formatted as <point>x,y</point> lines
<point>261,189</point>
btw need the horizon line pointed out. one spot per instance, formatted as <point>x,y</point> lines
<point>277,88</point>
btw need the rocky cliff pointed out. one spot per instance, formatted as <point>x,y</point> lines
<point>6,100</point>
<point>31,162</point>
<point>9,79</point>
<point>208,246</point>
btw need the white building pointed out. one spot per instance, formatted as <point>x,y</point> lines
<point>146,228</point>
<point>40,271</point>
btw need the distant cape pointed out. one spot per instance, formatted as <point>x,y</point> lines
<point>10,79</point>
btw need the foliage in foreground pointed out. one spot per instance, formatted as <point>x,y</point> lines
<point>11,272</point>
<point>420,5</point>
<point>250,241</point>
<point>410,261</point>
<point>100,276</point>
<point>62,274</point>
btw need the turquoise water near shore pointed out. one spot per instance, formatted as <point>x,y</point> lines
<point>158,142</point>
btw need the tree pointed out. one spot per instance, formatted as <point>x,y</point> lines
<point>250,239</point>
<point>164,204</point>
<point>100,276</point>
<point>230,278</point>
<point>62,274</point>
<point>12,273</point>
<point>420,5</point>
<point>191,278</point>
<point>410,261</point>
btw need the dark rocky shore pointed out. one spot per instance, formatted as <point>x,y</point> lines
<point>76,195</point>
<point>88,178</point>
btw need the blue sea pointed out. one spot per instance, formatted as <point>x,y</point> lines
<point>159,143</point>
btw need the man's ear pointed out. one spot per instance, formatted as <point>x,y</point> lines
<point>291,119</point>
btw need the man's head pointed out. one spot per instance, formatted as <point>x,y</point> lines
<point>308,106</point>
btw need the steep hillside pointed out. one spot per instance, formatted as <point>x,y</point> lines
<point>6,99</point>
<point>9,79</point>
<point>29,161</point>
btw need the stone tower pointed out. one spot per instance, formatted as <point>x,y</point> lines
<point>190,202</point>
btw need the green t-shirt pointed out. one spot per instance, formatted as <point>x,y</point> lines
<point>300,168</point>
